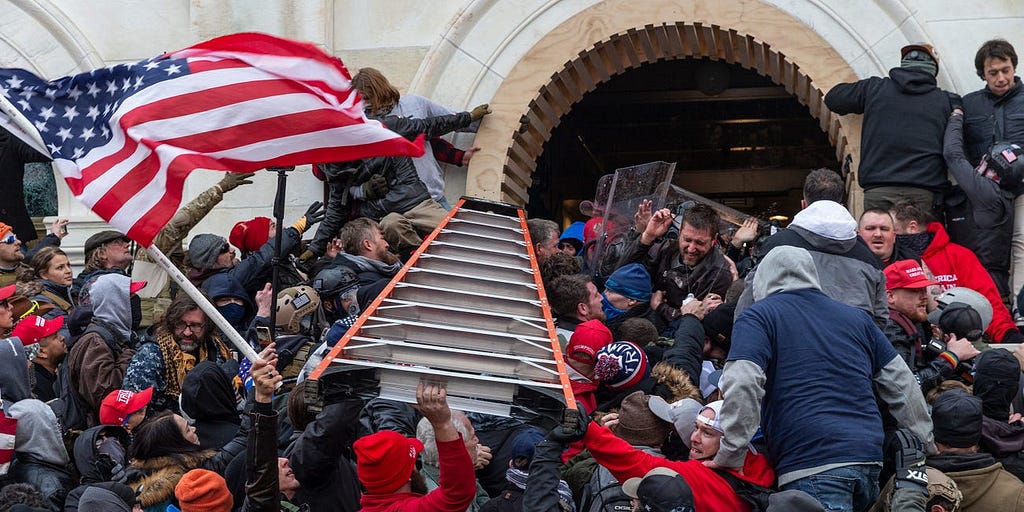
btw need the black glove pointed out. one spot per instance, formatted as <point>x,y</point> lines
<point>955,101</point>
<point>315,213</point>
<point>375,188</point>
<point>908,457</point>
<point>572,428</point>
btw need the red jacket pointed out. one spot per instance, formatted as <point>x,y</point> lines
<point>456,488</point>
<point>955,265</point>
<point>711,493</point>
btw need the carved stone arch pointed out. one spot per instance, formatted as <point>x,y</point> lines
<point>649,44</point>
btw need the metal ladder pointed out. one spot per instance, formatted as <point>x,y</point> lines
<point>467,309</point>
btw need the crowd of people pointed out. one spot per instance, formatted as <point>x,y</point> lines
<point>837,364</point>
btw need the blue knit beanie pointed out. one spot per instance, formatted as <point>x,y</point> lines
<point>631,281</point>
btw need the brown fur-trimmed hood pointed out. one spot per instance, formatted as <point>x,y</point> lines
<point>160,475</point>
<point>676,380</point>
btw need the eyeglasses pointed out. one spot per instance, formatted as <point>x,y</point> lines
<point>226,249</point>
<point>9,239</point>
<point>196,327</point>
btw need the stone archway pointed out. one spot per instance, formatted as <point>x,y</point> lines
<point>633,48</point>
<point>513,62</point>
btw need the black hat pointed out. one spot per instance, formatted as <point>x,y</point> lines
<point>958,319</point>
<point>660,490</point>
<point>95,241</point>
<point>1007,160</point>
<point>718,325</point>
<point>956,416</point>
<point>996,381</point>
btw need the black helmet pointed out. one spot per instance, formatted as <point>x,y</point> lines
<point>334,280</point>
<point>1007,160</point>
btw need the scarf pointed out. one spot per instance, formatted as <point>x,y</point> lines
<point>178,363</point>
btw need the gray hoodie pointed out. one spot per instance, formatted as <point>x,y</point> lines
<point>847,270</point>
<point>111,302</point>
<point>785,268</point>
<point>14,380</point>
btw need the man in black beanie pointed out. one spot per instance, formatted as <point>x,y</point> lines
<point>957,417</point>
<point>904,124</point>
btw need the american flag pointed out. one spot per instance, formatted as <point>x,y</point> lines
<point>126,137</point>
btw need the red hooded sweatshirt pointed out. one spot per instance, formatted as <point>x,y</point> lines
<point>711,493</point>
<point>955,265</point>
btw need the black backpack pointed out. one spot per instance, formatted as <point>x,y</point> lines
<point>604,494</point>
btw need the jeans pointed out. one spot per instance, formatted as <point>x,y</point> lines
<point>848,488</point>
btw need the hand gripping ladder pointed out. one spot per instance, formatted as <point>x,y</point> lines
<point>467,309</point>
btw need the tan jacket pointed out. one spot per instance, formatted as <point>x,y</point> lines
<point>989,489</point>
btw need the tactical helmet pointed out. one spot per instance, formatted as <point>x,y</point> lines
<point>970,297</point>
<point>1007,160</point>
<point>332,281</point>
<point>294,304</point>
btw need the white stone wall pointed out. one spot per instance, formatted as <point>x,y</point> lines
<point>457,52</point>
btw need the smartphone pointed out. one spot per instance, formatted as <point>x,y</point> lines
<point>64,229</point>
<point>263,335</point>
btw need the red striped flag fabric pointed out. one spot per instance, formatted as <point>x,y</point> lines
<point>126,137</point>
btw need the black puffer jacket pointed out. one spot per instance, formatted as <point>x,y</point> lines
<point>904,119</point>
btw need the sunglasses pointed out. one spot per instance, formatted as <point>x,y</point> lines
<point>31,310</point>
<point>566,245</point>
<point>4,304</point>
<point>9,239</point>
<point>226,249</point>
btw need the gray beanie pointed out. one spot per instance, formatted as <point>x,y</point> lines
<point>204,249</point>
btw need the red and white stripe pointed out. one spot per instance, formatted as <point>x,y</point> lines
<point>249,101</point>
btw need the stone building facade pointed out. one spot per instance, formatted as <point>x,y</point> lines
<point>532,60</point>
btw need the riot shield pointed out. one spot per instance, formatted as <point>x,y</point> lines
<point>616,199</point>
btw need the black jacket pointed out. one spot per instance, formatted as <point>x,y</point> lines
<point>405,190</point>
<point>261,483</point>
<point>907,338</point>
<point>979,212</point>
<point>14,154</point>
<point>322,461</point>
<point>990,118</point>
<point>541,494</point>
<point>904,119</point>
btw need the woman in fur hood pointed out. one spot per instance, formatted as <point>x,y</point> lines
<point>164,449</point>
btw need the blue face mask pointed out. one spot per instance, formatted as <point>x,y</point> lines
<point>610,312</point>
<point>233,313</point>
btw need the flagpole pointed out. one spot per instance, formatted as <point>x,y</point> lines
<point>211,312</point>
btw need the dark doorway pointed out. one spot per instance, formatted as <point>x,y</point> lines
<point>736,137</point>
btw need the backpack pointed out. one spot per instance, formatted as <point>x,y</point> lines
<point>756,495</point>
<point>604,494</point>
<point>67,407</point>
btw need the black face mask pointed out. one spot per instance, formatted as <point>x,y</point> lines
<point>136,302</point>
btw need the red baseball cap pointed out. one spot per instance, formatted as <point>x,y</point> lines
<point>33,328</point>
<point>906,274</point>
<point>120,404</point>
<point>385,460</point>
<point>7,291</point>
<point>586,340</point>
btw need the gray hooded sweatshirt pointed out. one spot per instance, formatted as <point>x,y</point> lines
<point>847,270</point>
<point>745,379</point>
<point>111,302</point>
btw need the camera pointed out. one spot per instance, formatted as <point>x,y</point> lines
<point>934,347</point>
